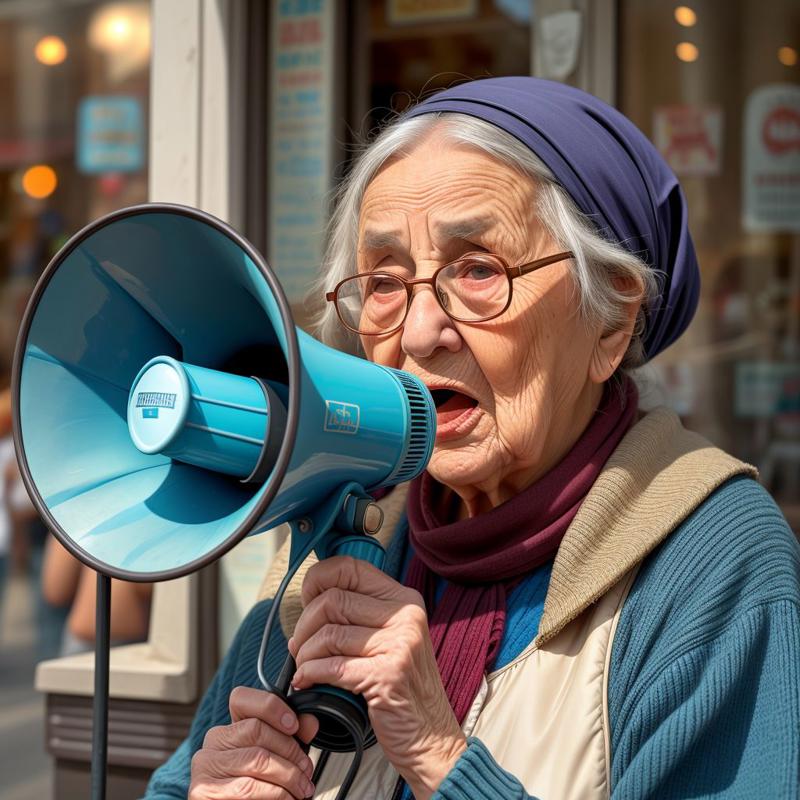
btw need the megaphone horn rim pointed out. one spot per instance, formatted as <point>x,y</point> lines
<point>293,407</point>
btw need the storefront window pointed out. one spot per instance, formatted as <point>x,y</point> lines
<point>74,84</point>
<point>412,48</point>
<point>717,89</point>
<point>74,90</point>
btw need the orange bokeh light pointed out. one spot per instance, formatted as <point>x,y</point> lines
<point>686,51</point>
<point>50,50</point>
<point>39,181</point>
<point>685,16</point>
<point>787,56</point>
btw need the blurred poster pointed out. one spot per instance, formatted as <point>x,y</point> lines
<point>767,388</point>
<point>403,12</point>
<point>301,137</point>
<point>771,171</point>
<point>689,138</point>
<point>110,135</point>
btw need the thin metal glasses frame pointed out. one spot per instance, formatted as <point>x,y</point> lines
<point>511,273</point>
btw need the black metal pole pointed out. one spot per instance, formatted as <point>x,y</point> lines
<point>102,646</point>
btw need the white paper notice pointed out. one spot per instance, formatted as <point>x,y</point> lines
<point>559,43</point>
<point>771,171</point>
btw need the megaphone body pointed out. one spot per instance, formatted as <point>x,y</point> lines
<point>167,406</point>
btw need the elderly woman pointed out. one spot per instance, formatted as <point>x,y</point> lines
<point>581,601</point>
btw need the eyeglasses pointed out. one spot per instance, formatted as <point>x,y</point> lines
<point>474,288</point>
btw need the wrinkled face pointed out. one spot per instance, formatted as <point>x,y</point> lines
<point>506,390</point>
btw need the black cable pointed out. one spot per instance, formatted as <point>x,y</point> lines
<point>354,764</point>
<point>398,788</point>
<point>273,613</point>
<point>102,647</point>
<point>321,762</point>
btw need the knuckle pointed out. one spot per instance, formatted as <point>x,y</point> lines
<point>236,698</point>
<point>212,738</point>
<point>338,665</point>
<point>415,612</point>
<point>236,694</point>
<point>273,707</point>
<point>244,787</point>
<point>332,636</point>
<point>260,760</point>
<point>249,730</point>
<point>198,762</point>
<point>333,604</point>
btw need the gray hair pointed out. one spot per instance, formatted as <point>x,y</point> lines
<point>596,263</point>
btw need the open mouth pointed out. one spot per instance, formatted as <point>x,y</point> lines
<point>450,405</point>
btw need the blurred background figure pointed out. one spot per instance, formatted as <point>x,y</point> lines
<point>67,584</point>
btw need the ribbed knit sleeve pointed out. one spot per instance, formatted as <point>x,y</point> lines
<point>238,668</point>
<point>704,689</point>
<point>477,775</point>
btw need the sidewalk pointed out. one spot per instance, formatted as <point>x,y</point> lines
<point>24,764</point>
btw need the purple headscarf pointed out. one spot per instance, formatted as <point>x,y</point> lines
<point>612,172</point>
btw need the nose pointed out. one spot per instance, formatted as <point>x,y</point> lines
<point>427,327</point>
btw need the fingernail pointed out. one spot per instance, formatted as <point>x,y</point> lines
<point>287,720</point>
<point>307,766</point>
<point>309,789</point>
<point>290,645</point>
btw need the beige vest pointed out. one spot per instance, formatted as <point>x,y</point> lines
<point>544,716</point>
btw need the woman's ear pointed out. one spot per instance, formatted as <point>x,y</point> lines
<point>611,346</point>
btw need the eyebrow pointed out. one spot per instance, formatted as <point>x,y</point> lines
<point>459,229</point>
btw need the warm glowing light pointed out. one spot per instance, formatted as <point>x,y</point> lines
<point>39,181</point>
<point>121,30</point>
<point>787,56</point>
<point>686,51</point>
<point>685,16</point>
<point>50,50</point>
<point>119,26</point>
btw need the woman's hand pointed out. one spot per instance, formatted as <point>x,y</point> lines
<point>362,631</point>
<point>256,756</point>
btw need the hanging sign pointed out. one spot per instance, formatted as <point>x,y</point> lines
<point>110,135</point>
<point>301,136</point>
<point>689,138</point>
<point>404,12</point>
<point>771,171</point>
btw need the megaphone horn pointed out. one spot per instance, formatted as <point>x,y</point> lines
<point>166,406</point>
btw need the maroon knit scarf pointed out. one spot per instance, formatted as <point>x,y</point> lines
<point>484,557</point>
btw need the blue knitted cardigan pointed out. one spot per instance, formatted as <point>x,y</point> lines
<point>704,684</point>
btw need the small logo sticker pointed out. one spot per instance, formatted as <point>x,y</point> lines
<point>156,399</point>
<point>341,417</point>
<point>150,413</point>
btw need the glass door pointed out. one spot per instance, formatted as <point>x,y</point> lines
<point>716,86</point>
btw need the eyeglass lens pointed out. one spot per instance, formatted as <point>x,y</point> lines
<point>469,290</point>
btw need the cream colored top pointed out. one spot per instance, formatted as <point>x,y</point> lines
<point>544,716</point>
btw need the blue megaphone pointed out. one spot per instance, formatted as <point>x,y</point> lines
<point>166,406</point>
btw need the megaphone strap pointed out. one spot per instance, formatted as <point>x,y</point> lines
<point>393,506</point>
